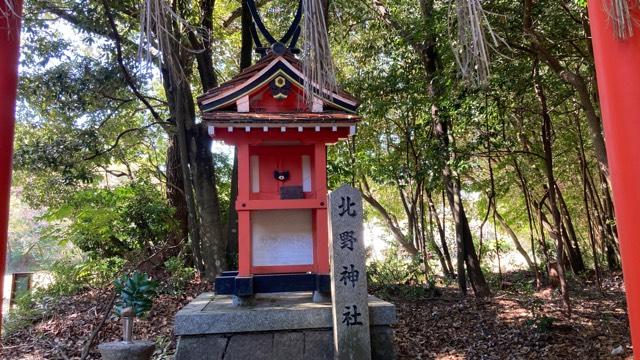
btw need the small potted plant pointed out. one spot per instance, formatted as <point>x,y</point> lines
<point>135,297</point>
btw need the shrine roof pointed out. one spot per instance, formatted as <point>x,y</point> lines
<point>255,76</point>
<point>227,117</point>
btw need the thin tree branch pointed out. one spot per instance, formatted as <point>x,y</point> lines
<point>238,12</point>
<point>115,144</point>
<point>127,76</point>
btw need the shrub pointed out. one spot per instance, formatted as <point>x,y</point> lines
<point>397,275</point>
<point>68,278</point>
<point>108,222</point>
<point>71,277</point>
<point>26,312</point>
<point>179,275</point>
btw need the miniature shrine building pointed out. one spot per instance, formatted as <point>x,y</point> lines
<point>281,147</point>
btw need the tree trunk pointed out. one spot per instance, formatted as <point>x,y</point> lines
<point>557,231</point>
<point>199,177</point>
<point>466,250</point>
<point>613,251</point>
<point>443,240</point>
<point>177,109</point>
<point>427,51</point>
<point>541,50</point>
<point>577,262</point>
<point>527,201</point>
<point>585,196</point>
<point>213,245</point>
<point>389,219</point>
<point>432,243</point>
<point>175,197</point>
<point>505,226</point>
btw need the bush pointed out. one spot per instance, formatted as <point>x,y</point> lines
<point>397,275</point>
<point>71,277</point>
<point>68,278</point>
<point>108,222</point>
<point>26,312</point>
<point>179,275</point>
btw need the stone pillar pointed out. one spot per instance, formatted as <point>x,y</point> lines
<point>351,333</point>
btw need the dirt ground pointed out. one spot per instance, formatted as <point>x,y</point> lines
<point>517,323</point>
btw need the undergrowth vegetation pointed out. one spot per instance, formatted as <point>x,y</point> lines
<point>70,278</point>
<point>399,276</point>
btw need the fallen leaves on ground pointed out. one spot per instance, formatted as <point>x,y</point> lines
<point>64,332</point>
<point>511,325</point>
<point>515,325</point>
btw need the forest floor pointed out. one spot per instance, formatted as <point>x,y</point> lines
<point>517,323</point>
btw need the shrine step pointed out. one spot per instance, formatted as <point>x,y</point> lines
<point>284,326</point>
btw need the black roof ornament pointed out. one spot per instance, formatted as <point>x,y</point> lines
<point>289,39</point>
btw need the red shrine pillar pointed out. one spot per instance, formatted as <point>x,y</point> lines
<point>618,74</point>
<point>9,48</point>
<point>244,231</point>
<point>322,231</point>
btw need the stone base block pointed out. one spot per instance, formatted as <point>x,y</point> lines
<point>287,326</point>
<point>122,350</point>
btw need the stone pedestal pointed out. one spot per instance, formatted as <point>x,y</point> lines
<point>285,326</point>
<point>122,350</point>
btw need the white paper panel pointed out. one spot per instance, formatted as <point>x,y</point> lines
<point>281,237</point>
<point>306,173</point>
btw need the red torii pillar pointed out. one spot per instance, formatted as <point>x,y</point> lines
<point>618,74</point>
<point>9,50</point>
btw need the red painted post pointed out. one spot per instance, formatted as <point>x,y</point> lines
<point>618,74</point>
<point>322,228</point>
<point>244,219</point>
<point>9,48</point>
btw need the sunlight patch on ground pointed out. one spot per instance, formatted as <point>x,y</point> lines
<point>453,355</point>
<point>511,312</point>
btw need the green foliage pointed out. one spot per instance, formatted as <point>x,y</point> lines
<point>490,247</point>
<point>136,291</point>
<point>112,222</point>
<point>179,275</point>
<point>396,275</point>
<point>70,277</point>
<point>29,249</point>
<point>67,278</point>
<point>544,324</point>
<point>25,313</point>
<point>539,321</point>
<point>93,158</point>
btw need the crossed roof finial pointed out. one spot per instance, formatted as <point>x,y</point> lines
<point>286,43</point>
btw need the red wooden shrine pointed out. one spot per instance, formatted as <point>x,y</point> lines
<point>282,189</point>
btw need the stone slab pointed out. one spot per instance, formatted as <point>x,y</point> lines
<point>135,350</point>
<point>348,275</point>
<point>382,344</point>
<point>316,344</point>
<point>211,314</point>
<point>250,346</point>
<point>201,347</point>
<point>288,345</point>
